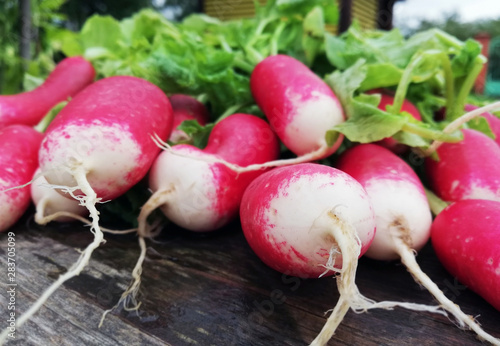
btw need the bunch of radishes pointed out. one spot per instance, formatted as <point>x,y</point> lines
<point>304,219</point>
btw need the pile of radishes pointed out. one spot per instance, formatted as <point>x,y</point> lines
<point>303,218</point>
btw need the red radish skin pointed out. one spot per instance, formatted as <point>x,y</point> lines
<point>403,217</point>
<point>397,196</point>
<point>492,120</point>
<point>469,169</point>
<point>99,146</point>
<point>186,107</point>
<point>466,238</point>
<point>19,147</point>
<point>107,130</point>
<point>390,143</point>
<point>68,78</point>
<point>300,106</point>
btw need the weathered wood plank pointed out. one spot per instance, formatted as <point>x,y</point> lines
<point>210,289</point>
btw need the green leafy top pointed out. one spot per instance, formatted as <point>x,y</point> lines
<point>201,55</point>
<point>432,69</point>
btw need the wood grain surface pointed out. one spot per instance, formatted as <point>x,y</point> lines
<point>210,289</point>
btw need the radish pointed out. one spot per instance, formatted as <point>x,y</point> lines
<point>397,196</point>
<point>198,193</point>
<point>186,107</point>
<point>301,107</point>
<point>469,169</point>
<point>465,237</point>
<point>492,120</point>
<point>402,213</point>
<point>99,146</point>
<point>69,77</point>
<point>310,220</point>
<point>19,147</point>
<point>203,196</point>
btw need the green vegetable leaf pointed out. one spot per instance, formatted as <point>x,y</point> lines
<point>199,134</point>
<point>411,139</point>
<point>482,125</point>
<point>381,75</point>
<point>369,123</point>
<point>102,32</point>
<point>344,84</point>
<point>314,32</point>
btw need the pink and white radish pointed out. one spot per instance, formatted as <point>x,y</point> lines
<point>309,220</point>
<point>186,107</point>
<point>203,195</point>
<point>69,77</point>
<point>397,195</point>
<point>492,120</point>
<point>99,146</point>
<point>299,105</point>
<point>197,192</point>
<point>465,237</point>
<point>292,216</point>
<point>469,169</point>
<point>19,147</point>
<point>402,213</point>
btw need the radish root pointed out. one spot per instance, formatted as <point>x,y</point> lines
<point>42,219</point>
<point>89,200</point>
<point>408,258</point>
<point>312,156</point>
<point>129,298</point>
<point>350,247</point>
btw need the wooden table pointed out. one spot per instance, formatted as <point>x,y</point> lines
<point>210,289</point>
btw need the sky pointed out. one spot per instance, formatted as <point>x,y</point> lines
<point>411,12</point>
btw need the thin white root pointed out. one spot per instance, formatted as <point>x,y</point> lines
<point>45,219</point>
<point>408,258</point>
<point>346,238</point>
<point>332,323</point>
<point>129,298</point>
<point>312,156</point>
<point>457,123</point>
<point>89,200</point>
